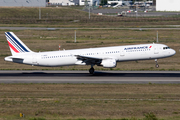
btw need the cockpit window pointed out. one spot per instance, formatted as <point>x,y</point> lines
<point>164,48</point>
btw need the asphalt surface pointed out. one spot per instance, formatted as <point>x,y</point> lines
<point>154,14</point>
<point>107,11</point>
<point>103,77</point>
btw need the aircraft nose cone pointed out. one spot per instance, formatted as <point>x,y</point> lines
<point>173,52</point>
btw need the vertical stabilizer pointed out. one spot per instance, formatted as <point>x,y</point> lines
<point>15,44</point>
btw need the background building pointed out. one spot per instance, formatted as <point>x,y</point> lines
<point>23,3</point>
<point>90,2</point>
<point>73,2</point>
<point>167,5</point>
<point>62,2</point>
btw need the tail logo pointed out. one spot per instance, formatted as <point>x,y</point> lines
<point>15,43</point>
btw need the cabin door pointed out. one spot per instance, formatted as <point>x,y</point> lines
<point>34,59</point>
<point>156,51</point>
<point>122,52</point>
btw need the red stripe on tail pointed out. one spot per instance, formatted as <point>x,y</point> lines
<point>12,47</point>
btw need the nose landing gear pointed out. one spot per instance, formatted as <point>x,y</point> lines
<point>157,66</point>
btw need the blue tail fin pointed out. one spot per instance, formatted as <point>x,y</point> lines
<point>15,44</point>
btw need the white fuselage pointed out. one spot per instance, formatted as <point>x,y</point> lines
<point>118,53</point>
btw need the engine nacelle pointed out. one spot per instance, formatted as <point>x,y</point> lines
<point>108,63</point>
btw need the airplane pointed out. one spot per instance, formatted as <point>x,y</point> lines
<point>106,57</point>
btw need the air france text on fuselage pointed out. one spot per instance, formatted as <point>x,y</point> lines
<point>135,48</point>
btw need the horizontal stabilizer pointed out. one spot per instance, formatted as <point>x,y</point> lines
<point>15,57</point>
<point>10,58</point>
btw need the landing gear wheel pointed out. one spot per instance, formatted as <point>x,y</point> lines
<point>91,70</point>
<point>157,66</point>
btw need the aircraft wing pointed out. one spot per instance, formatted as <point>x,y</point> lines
<point>89,60</point>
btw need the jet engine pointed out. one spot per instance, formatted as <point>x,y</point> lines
<point>108,63</point>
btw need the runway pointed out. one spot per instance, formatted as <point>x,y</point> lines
<point>102,77</point>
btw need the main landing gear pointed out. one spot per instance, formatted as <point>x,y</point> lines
<point>91,70</point>
<point>157,66</point>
